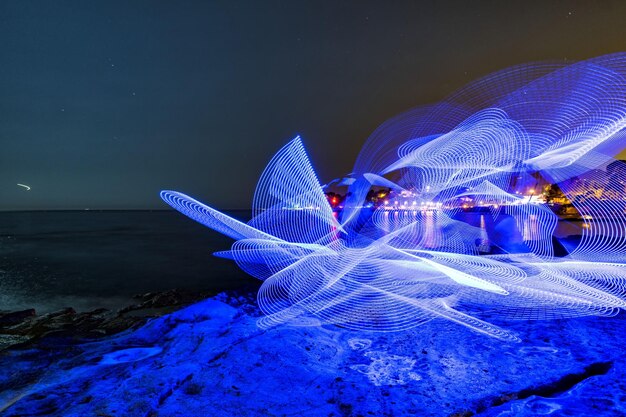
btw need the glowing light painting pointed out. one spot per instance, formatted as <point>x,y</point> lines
<point>462,226</point>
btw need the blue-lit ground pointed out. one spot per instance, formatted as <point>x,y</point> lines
<point>211,359</point>
<point>425,280</point>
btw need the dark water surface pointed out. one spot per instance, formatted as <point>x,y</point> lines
<point>90,259</point>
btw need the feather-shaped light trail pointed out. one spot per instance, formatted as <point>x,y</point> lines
<point>460,232</point>
<point>26,187</point>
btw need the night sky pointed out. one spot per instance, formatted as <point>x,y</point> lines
<point>104,103</point>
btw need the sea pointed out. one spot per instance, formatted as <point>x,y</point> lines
<point>100,259</point>
<point>92,259</point>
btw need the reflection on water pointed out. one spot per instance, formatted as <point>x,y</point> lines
<point>572,227</point>
<point>430,227</point>
<point>531,228</point>
<point>496,233</point>
<point>483,244</point>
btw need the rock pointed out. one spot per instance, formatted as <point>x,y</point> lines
<point>16,317</point>
<point>8,340</point>
<point>121,323</point>
<point>25,326</point>
<point>41,325</point>
<point>169,298</point>
<point>212,357</point>
<point>144,297</point>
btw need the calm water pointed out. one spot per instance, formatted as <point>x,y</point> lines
<point>89,259</point>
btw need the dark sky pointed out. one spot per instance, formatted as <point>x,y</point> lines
<point>104,103</point>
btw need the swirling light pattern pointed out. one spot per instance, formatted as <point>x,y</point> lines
<point>462,230</point>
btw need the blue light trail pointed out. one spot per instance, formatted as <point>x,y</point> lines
<point>465,233</point>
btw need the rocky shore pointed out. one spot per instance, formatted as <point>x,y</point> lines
<point>211,359</point>
<point>27,327</point>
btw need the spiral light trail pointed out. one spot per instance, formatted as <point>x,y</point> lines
<point>463,233</point>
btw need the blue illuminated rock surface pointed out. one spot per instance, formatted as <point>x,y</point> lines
<point>211,359</point>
